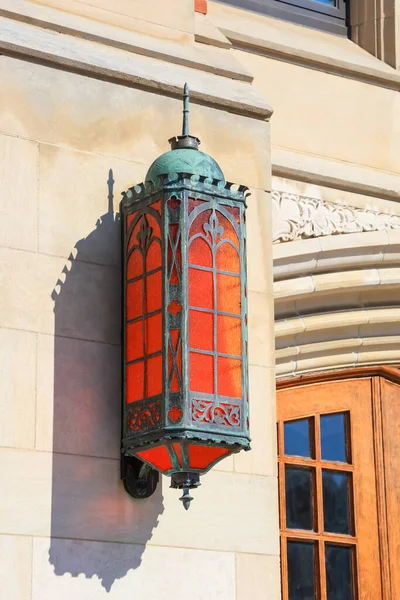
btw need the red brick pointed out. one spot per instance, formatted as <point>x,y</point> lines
<point>200,6</point>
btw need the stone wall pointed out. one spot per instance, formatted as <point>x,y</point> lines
<point>70,143</point>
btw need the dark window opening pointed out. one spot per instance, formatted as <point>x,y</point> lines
<point>326,15</point>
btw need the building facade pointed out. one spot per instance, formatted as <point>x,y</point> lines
<point>309,119</point>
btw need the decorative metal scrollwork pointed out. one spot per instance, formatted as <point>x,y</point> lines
<point>205,411</point>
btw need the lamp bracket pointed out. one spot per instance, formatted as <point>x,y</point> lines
<point>140,479</point>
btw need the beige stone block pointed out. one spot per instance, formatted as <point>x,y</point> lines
<point>346,279</point>
<point>206,33</point>
<point>78,497</point>
<point>323,130</point>
<point>331,328</point>
<point>257,577</point>
<point>380,295</point>
<point>142,38</point>
<point>289,327</point>
<point>325,302</point>
<point>349,241</point>
<point>261,329</point>
<point>328,346</point>
<point>389,276</point>
<point>367,37</point>
<point>128,123</point>
<point>394,237</point>
<point>26,507</point>
<point>383,315</point>
<point>295,266</point>
<point>350,258</point>
<point>346,176</point>
<point>262,458</point>
<point>378,356</point>
<point>285,309</point>
<point>18,193</point>
<point>233,504</point>
<point>337,195</point>
<point>322,321</point>
<point>79,397</point>
<point>285,368</point>
<point>50,295</point>
<point>373,332</point>
<point>178,14</point>
<point>27,281</point>
<point>45,392</point>
<point>388,28</point>
<point>259,256</point>
<point>15,567</point>
<point>67,569</point>
<point>294,287</point>
<point>287,352</point>
<point>331,361</point>
<point>286,346</point>
<point>290,250</point>
<point>79,203</point>
<point>367,11</point>
<point>17,385</point>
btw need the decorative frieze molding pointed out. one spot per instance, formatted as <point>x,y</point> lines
<point>298,217</point>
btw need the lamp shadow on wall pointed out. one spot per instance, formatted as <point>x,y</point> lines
<point>97,529</point>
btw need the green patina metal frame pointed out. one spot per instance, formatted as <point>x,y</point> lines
<point>179,187</point>
<point>173,178</point>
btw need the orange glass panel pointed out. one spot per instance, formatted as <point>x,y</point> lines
<point>134,340</point>
<point>153,256</point>
<point>200,253</point>
<point>175,383</point>
<point>134,267</point>
<point>153,291</point>
<point>228,259</point>
<point>178,452</point>
<point>201,369</point>
<point>201,330</point>
<point>201,457</point>
<point>154,376</point>
<point>134,382</point>
<point>174,333</point>
<point>132,236</point>
<point>193,202</point>
<point>156,206</point>
<point>229,231</point>
<point>154,226</point>
<point>197,225</point>
<point>229,377</point>
<point>201,288</point>
<point>153,333</point>
<point>229,335</point>
<point>159,457</point>
<point>174,230</point>
<point>234,211</point>
<point>134,300</point>
<point>228,294</point>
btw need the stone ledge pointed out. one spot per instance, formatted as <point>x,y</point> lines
<point>206,33</point>
<point>289,42</point>
<point>212,60</point>
<point>96,60</point>
<point>334,174</point>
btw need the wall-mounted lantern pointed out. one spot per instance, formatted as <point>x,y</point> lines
<point>185,397</point>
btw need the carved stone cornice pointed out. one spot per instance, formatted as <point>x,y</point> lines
<point>298,217</point>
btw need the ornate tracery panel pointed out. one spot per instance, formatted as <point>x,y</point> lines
<point>215,308</point>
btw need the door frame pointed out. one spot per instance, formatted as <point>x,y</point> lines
<point>390,373</point>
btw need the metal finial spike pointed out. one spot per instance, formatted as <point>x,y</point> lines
<point>186,498</point>
<point>110,185</point>
<point>185,125</point>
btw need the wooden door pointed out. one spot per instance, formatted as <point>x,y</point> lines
<point>330,492</point>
